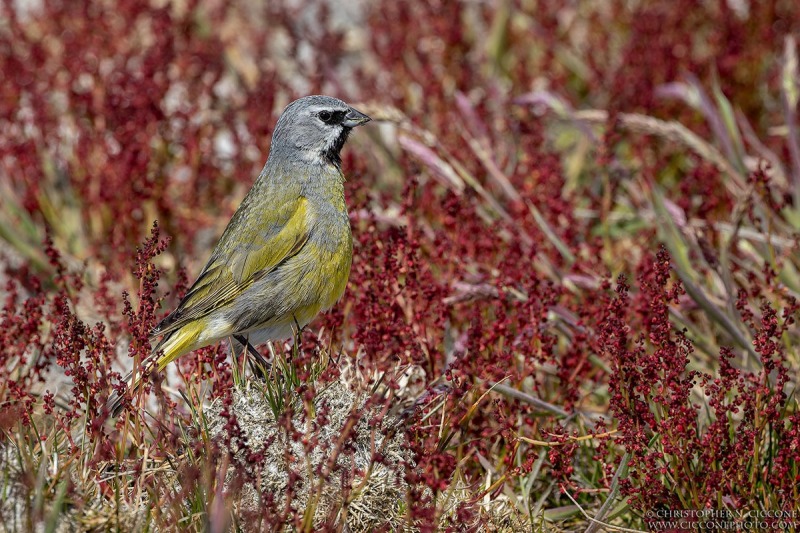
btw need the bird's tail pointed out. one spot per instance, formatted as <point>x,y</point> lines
<point>169,348</point>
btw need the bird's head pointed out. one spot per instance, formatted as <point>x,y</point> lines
<point>315,127</point>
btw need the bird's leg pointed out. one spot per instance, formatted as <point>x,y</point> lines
<point>298,331</point>
<point>258,364</point>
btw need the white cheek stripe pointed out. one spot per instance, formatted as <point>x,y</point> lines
<point>332,139</point>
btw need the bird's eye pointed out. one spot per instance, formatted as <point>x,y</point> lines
<point>325,116</point>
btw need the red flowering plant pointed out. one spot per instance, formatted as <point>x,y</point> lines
<point>573,297</point>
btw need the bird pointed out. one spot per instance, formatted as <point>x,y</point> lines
<point>284,256</point>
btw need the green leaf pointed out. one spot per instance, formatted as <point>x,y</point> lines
<point>789,73</point>
<point>729,120</point>
<point>559,514</point>
<point>562,248</point>
<point>58,505</point>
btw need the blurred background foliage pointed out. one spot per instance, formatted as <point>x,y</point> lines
<point>591,208</point>
<point>145,112</point>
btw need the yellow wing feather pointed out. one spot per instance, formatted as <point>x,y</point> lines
<point>234,267</point>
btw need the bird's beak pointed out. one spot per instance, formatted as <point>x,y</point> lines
<point>355,118</point>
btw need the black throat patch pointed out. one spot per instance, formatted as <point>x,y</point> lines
<point>332,153</point>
